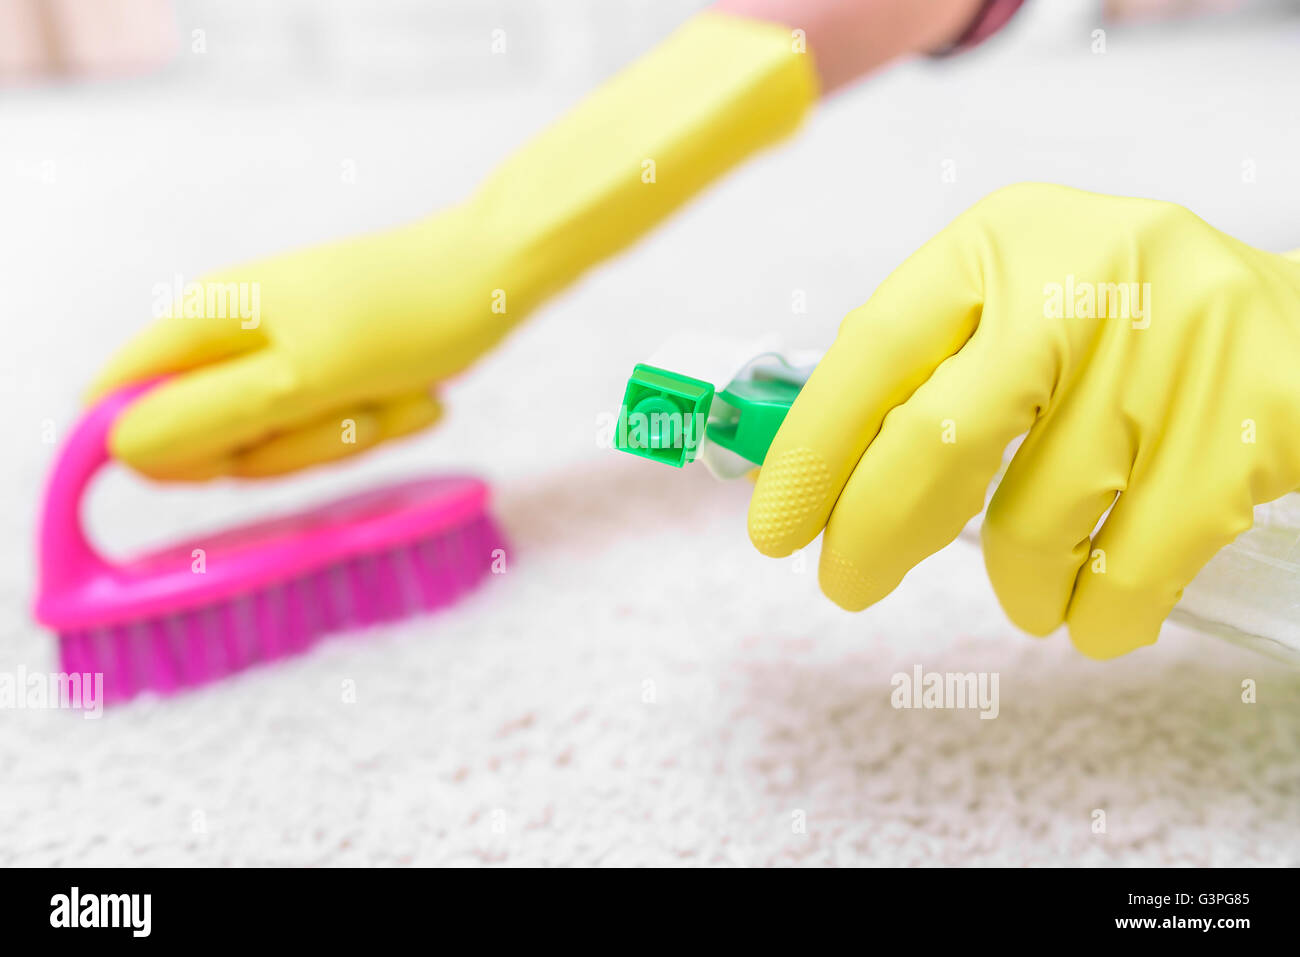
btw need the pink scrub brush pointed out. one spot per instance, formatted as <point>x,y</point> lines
<point>268,589</point>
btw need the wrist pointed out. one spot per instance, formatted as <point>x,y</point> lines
<point>851,38</point>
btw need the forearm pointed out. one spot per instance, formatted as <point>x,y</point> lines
<point>718,90</point>
<point>850,38</point>
<point>729,82</point>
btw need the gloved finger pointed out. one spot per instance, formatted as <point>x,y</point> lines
<point>922,314</point>
<point>209,414</point>
<point>203,471</point>
<point>925,474</point>
<point>1037,533</point>
<point>176,344</point>
<point>337,436</point>
<point>332,437</point>
<point>405,414</point>
<point>1160,533</point>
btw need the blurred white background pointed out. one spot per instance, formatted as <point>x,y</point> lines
<point>282,124</point>
<point>451,45</point>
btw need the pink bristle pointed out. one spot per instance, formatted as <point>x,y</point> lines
<point>159,667</point>
<point>436,587</point>
<point>250,645</point>
<point>174,637</point>
<point>121,667</point>
<point>465,553</point>
<point>213,647</point>
<point>336,600</point>
<point>225,626</point>
<point>304,608</point>
<point>407,577</point>
<point>475,558</point>
<point>137,650</point>
<point>77,654</point>
<point>362,590</point>
<point>311,587</point>
<point>205,648</point>
<point>296,622</point>
<point>388,588</point>
<point>98,651</point>
<point>272,629</point>
<point>141,654</point>
<point>383,606</point>
<point>451,554</point>
<point>188,652</point>
<point>450,562</point>
<point>267,633</point>
<point>195,649</point>
<point>183,643</point>
<point>477,552</point>
<point>199,645</point>
<point>479,542</point>
<point>351,592</point>
<point>73,654</point>
<point>367,590</point>
<point>425,587</point>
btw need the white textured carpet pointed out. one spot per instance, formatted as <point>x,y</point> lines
<point>639,687</point>
<point>615,698</point>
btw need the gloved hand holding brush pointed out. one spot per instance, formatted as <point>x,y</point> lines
<point>1153,361</point>
<point>361,331</point>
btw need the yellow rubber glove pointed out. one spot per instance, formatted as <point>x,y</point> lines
<point>1153,361</point>
<point>319,354</point>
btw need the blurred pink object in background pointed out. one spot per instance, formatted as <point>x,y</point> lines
<point>81,37</point>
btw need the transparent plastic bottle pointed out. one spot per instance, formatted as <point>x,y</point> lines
<point>1249,593</point>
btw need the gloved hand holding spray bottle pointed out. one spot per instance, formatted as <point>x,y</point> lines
<point>1148,360</point>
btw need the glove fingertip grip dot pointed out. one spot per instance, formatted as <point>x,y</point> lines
<point>843,582</point>
<point>790,489</point>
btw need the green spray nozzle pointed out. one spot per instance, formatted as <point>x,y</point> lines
<point>665,416</point>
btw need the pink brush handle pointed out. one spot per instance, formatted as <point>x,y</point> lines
<point>66,554</point>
